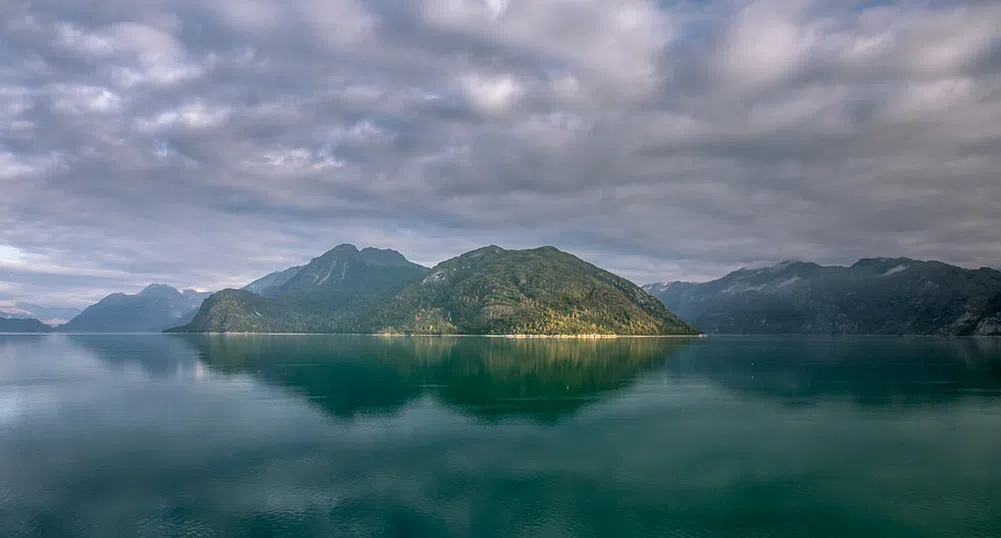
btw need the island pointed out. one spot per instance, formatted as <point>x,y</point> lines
<point>488,291</point>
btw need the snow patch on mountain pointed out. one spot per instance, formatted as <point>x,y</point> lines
<point>895,270</point>
<point>788,282</point>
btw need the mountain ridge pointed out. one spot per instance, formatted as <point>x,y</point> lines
<point>871,296</point>
<point>49,315</point>
<point>489,290</point>
<point>153,309</point>
<point>23,325</point>
<point>308,300</point>
<point>267,285</point>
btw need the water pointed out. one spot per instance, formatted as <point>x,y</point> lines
<point>156,435</point>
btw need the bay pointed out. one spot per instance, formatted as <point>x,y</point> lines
<point>253,435</point>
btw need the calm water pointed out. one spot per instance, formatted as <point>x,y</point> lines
<point>155,435</point>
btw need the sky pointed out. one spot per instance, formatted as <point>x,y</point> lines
<point>205,143</point>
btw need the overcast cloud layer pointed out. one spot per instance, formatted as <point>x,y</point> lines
<point>207,142</point>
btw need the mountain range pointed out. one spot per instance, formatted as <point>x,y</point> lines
<point>546,291</point>
<point>311,298</point>
<point>45,314</point>
<point>486,291</point>
<point>872,296</point>
<point>23,325</point>
<point>154,309</point>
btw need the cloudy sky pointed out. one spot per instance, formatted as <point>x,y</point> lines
<point>205,143</point>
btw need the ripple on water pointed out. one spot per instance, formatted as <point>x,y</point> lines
<point>159,528</point>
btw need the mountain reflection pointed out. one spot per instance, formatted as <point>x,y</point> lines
<point>871,371</point>
<point>489,378</point>
<point>547,379</point>
<point>158,355</point>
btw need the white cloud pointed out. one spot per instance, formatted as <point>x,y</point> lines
<point>763,43</point>
<point>664,141</point>
<point>81,99</point>
<point>77,40</point>
<point>9,254</point>
<point>491,94</point>
<point>193,115</point>
<point>16,165</point>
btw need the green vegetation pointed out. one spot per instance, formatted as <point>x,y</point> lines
<point>242,311</point>
<point>488,291</point>
<point>314,298</point>
<point>873,296</point>
<point>541,291</point>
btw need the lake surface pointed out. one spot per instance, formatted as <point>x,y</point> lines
<point>232,436</point>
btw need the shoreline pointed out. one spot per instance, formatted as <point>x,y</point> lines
<point>510,336</point>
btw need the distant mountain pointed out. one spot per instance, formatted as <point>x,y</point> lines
<point>873,296</point>
<point>154,309</point>
<point>486,291</point>
<point>268,285</point>
<point>311,299</point>
<point>21,325</point>
<point>47,314</point>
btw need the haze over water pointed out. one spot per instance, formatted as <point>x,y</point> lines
<point>156,435</point>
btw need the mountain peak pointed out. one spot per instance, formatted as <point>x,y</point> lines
<point>491,290</point>
<point>341,275</point>
<point>159,290</point>
<point>882,264</point>
<point>865,261</point>
<point>155,286</point>
<point>383,256</point>
<point>343,248</point>
<point>155,308</point>
<point>487,250</point>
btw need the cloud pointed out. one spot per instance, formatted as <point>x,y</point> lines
<point>207,143</point>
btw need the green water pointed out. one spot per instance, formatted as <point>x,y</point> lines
<point>155,436</point>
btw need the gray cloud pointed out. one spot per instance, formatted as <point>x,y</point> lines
<point>207,143</point>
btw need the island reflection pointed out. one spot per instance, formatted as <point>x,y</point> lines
<point>492,379</point>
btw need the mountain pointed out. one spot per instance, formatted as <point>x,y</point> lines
<point>541,291</point>
<point>268,285</point>
<point>873,296</point>
<point>242,311</point>
<point>310,300</point>
<point>152,310</point>
<point>344,275</point>
<point>22,325</point>
<point>50,315</point>
<point>487,291</point>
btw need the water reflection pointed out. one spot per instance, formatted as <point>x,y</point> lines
<point>158,356</point>
<point>489,378</point>
<point>111,436</point>
<point>871,371</point>
<point>545,380</point>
